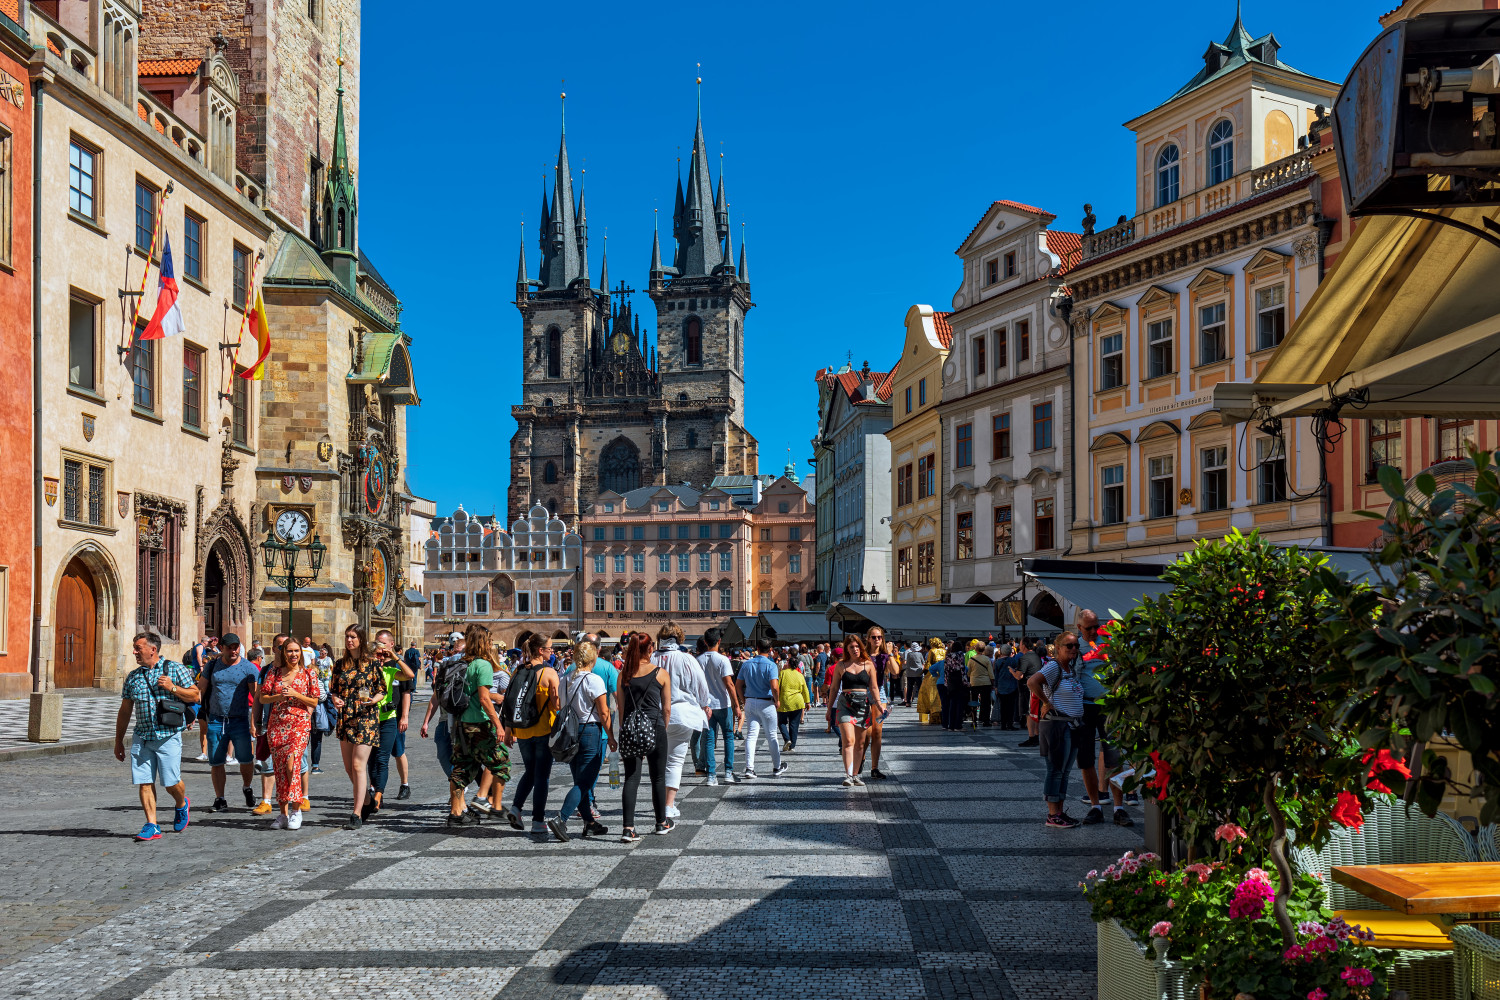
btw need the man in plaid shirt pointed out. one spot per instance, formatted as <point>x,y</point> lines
<point>155,750</point>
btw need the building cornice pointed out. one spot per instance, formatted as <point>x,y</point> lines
<point>1004,388</point>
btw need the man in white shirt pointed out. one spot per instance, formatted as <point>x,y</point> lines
<point>725,700</point>
<point>691,707</point>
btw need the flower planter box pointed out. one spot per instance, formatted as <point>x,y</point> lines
<point>1129,971</point>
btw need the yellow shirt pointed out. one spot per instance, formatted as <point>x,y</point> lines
<point>793,690</point>
<point>544,723</point>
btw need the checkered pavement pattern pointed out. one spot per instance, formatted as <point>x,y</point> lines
<point>940,882</point>
<point>84,719</point>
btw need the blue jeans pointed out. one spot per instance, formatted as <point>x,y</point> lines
<point>224,732</point>
<point>722,721</point>
<point>585,766</point>
<point>380,757</point>
<point>1058,748</point>
<point>788,724</point>
<point>536,754</point>
<point>444,744</point>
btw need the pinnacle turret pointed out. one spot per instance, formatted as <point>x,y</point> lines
<point>561,255</point>
<point>695,225</point>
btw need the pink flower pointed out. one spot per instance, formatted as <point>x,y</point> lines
<point>1171,904</point>
<point>1250,898</point>
<point>1162,928</point>
<point>1318,994</point>
<point>1259,875</point>
<point>1355,976</point>
<point>1229,833</point>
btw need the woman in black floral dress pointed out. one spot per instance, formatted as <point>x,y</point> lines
<point>358,688</point>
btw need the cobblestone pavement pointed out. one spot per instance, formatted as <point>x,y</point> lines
<point>939,883</point>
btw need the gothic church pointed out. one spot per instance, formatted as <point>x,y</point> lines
<point>601,408</point>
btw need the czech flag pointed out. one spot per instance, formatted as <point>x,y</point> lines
<point>262,332</point>
<point>166,321</point>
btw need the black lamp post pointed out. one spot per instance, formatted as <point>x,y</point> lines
<point>848,595</point>
<point>874,593</point>
<point>1025,605</point>
<point>863,594</point>
<point>286,554</point>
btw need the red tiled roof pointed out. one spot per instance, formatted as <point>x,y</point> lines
<point>1068,246</point>
<point>1018,206</point>
<point>944,329</point>
<point>11,9</point>
<point>851,382</point>
<point>165,67</point>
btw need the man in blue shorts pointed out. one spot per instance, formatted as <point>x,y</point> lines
<point>156,750</point>
<point>228,686</point>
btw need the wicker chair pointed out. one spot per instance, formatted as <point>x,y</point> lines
<point>1425,965</point>
<point>1489,842</point>
<point>1478,958</point>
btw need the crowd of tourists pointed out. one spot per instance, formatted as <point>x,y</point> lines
<point>647,704</point>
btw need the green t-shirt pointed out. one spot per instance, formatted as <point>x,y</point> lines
<point>391,707</point>
<point>480,674</point>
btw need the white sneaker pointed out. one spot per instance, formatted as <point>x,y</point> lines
<point>673,812</point>
<point>779,770</point>
<point>848,780</point>
<point>294,822</point>
<point>713,779</point>
<point>749,775</point>
<point>230,761</point>
<point>730,779</point>
<point>202,757</point>
<point>856,780</point>
<point>279,823</point>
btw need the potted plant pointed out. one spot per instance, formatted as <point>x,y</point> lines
<point>1128,900</point>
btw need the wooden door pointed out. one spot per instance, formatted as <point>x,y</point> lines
<point>74,624</point>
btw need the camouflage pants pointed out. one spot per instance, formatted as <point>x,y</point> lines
<point>476,749</point>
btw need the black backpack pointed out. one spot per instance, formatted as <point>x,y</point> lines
<point>520,710</point>
<point>564,737</point>
<point>453,688</point>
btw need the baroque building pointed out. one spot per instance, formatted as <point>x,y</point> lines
<point>853,488</point>
<point>1007,405</point>
<point>602,409</point>
<point>916,437</point>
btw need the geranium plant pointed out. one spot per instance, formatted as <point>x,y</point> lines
<point>1133,890</point>
<point>1219,685</point>
<point>1422,645</point>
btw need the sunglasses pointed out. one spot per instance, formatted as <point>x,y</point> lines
<point>1070,645</point>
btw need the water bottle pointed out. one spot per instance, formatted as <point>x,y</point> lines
<point>614,769</point>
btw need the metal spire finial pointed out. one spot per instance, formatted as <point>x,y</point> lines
<point>562,100</point>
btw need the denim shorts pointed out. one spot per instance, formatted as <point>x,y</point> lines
<point>398,749</point>
<point>224,733</point>
<point>156,760</point>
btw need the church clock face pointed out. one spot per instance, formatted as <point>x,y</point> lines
<point>292,525</point>
<point>375,486</point>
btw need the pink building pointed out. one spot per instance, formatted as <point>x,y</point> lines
<point>664,552</point>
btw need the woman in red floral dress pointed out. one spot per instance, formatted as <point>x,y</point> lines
<point>292,690</point>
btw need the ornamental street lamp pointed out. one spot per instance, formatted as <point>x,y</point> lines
<point>286,554</point>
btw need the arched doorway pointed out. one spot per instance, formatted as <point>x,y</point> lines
<point>76,623</point>
<point>1045,607</point>
<point>213,594</point>
<point>620,466</point>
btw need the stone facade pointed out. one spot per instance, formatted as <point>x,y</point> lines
<point>783,549</point>
<point>854,508</point>
<point>601,408</point>
<point>916,437</point>
<point>665,553</point>
<point>147,466</point>
<point>524,580</point>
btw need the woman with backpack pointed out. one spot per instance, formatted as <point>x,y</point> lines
<point>584,695</point>
<point>644,702</point>
<point>531,704</point>
<point>358,688</point>
<point>477,734</point>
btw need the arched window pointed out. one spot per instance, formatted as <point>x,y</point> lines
<point>549,473</point>
<point>1167,162</point>
<point>620,466</point>
<point>693,341</point>
<point>1221,152</point>
<point>738,346</point>
<point>692,438</point>
<point>342,244</point>
<point>554,353</point>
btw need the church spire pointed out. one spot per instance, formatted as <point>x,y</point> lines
<point>744,269</point>
<point>658,273</point>
<point>583,233</point>
<point>522,282</point>
<point>604,268</point>
<point>721,205</point>
<point>699,243</point>
<point>340,199</point>
<point>560,252</point>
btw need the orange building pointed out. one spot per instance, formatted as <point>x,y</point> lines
<point>17,471</point>
<point>783,550</point>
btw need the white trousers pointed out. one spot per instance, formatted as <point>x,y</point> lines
<point>679,738</point>
<point>761,713</point>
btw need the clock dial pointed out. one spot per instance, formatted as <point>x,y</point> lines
<point>375,486</point>
<point>379,579</point>
<point>292,525</point>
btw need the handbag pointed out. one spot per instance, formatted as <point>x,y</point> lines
<point>170,713</point>
<point>322,720</point>
<point>637,735</point>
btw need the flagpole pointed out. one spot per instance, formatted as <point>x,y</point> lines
<point>234,348</point>
<point>129,333</point>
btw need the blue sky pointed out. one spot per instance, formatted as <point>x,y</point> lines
<point>862,143</point>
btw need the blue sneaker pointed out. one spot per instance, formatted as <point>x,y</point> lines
<point>149,832</point>
<point>180,817</point>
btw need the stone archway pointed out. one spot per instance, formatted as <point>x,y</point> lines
<point>224,546</point>
<point>620,466</point>
<point>87,572</point>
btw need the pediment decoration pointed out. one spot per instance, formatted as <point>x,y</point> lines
<point>1159,429</point>
<point>1206,420</point>
<point>1110,440</point>
<point>1209,279</point>
<point>1108,314</point>
<point>1268,262</point>
<point>1157,297</point>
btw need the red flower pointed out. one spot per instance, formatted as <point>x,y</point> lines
<point>1346,811</point>
<point>1383,762</point>
<point>1159,780</point>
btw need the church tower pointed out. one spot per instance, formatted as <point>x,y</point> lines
<point>339,234</point>
<point>701,302</point>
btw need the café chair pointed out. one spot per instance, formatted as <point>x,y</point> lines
<point>1425,966</point>
<point>1489,842</point>
<point>1478,959</point>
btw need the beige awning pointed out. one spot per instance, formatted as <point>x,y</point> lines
<point>1410,314</point>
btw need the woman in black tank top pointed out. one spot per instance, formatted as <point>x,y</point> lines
<point>855,695</point>
<point>645,688</point>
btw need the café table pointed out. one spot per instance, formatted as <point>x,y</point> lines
<point>1435,889</point>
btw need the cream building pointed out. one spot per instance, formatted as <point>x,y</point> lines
<point>147,449</point>
<point>1196,288</point>
<point>1007,405</point>
<point>916,437</point>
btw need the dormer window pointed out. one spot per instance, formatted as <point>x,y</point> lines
<point>1168,161</point>
<point>1220,152</point>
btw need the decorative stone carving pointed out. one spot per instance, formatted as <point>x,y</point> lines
<point>1306,249</point>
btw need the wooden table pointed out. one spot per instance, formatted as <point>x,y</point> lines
<point>1470,887</point>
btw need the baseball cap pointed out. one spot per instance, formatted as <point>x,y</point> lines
<point>229,639</point>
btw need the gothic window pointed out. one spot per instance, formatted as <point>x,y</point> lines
<point>341,244</point>
<point>554,353</point>
<point>158,534</point>
<point>693,341</point>
<point>738,347</point>
<point>620,467</point>
<point>692,438</point>
<point>549,473</point>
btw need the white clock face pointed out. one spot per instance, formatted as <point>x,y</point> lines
<point>292,525</point>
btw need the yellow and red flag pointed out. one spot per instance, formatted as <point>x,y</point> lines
<point>262,333</point>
